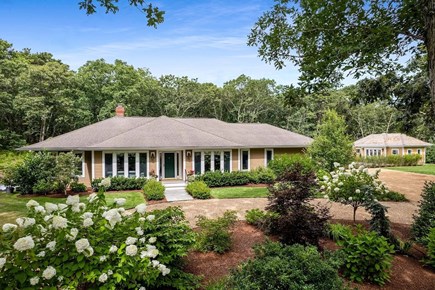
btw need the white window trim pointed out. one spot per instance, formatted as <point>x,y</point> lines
<point>265,155</point>
<point>373,150</point>
<point>114,163</point>
<point>83,162</point>
<point>398,151</point>
<point>249,159</point>
<point>212,154</point>
<point>419,151</point>
<point>93,165</point>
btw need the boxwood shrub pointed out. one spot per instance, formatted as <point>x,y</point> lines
<point>78,187</point>
<point>235,178</point>
<point>198,189</point>
<point>121,183</point>
<point>154,190</point>
<point>285,267</point>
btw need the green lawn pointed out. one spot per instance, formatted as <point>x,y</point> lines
<point>14,205</point>
<point>238,192</point>
<point>425,169</point>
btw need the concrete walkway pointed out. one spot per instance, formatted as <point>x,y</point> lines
<point>176,191</point>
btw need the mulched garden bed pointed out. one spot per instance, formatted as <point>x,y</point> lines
<point>407,272</point>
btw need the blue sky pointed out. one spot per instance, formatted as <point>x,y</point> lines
<point>199,39</point>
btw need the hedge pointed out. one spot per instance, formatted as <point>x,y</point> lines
<point>121,183</point>
<point>235,178</point>
<point>391,160</point>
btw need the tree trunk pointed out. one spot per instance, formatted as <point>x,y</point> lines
<point>354,213</point>
<point>430,45</point>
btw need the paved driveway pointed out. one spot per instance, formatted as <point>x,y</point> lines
<point>409,184</point>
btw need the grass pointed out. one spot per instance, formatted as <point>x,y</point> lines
<point>239,192</point>
<point>424,169</point>
<point>13,206</point>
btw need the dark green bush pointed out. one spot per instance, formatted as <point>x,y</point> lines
<point>121,183</point>
<point>298,221</point>
<point>198,189</point>
<point>78,187</point>
<point>264,220</point>
<point>430,154</point>
<point>215,233</point>
<point>235,178</point>
<point>391,196</point>
<point>425,218</point>
<point>286,162</point>
<point>367,256</point>
<point>154,190</point>
<point>430,240</point>
<point>278,267</point>
<point>46,186</point>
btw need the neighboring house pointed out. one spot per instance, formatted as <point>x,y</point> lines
<point>171,148</point>
<point>390,144</point>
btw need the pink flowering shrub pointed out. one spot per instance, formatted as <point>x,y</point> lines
<point>95,245</point>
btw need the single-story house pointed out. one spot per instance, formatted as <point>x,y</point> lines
<point>390,144</point>
<point>171,148</point>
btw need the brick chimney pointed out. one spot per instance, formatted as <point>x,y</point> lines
<point>119,111</point>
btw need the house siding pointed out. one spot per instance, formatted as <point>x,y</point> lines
<point>98,166</point>
<point>257,158</point>
<point>86,179</point>
<point>401,151</point>
<point>189,159</point>
<point>281,151</point>
<point>235,157</point>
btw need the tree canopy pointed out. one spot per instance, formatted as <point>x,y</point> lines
<point>330,40</point>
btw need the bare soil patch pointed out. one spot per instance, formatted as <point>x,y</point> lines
<point>407,272</point>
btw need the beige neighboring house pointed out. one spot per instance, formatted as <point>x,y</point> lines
<point>171,148</point>
<point>390,144</point>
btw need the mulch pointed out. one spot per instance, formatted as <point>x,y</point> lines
<point>407,271</point>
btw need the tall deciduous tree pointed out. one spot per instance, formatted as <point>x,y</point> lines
<point>329,39</point>
<point>331,144</point>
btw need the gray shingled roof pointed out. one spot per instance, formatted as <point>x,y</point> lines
<point>163,132</point>
<point>390,140</point>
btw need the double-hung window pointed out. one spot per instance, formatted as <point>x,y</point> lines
<point>81,165</point>
<point>244,159</point>
<point>268,156</point>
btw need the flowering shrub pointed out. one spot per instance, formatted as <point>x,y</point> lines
<point>354,186</point>
<point>95,244</point>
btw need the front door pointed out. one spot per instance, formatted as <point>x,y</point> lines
<point>169,165</point>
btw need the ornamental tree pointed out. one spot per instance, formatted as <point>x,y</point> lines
<point>354,186</point>
<point>331,144</point>
<point>96,244</point>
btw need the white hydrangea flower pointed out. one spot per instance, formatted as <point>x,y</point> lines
<point>32,203</point>
<point>151,217</point>
<point>155,263</point>
<point>40,209</point>
<point>48,217</point>
<point>20,222</point>
<point>60,278</point>
<point>322,187</point>
<point>49,273</point>
<point>34,280</point>
<point>72,235</point>
<point>109,272</point>
<point>9,227</point>
<point>131,250</point>
<point>78,207</point>
<point>152,240</point>
<point>365,170</point>
<point>325,178</point>
<point>51,207</point>
<point>326,196</point>
<point>336,189</point>
<point>113,249</point>
<point>336,164</point>
<point>163,269</point>
<point>82,245</point>
<point>357,191</point>
<point>62,206</point>
<point>142,288</point>
<point>2,262</point>
<point>87,222</point>
<point>139,231</point>
<point>29,222</point>
<point>92,197</point>
<point>340,184</point>
<point>130,241</point>
<point>142,240</point>
<point>141,219</point>
<point>141,208</point>
<point>120,201</point>
<point>103,258</point>
<point>350,198</point>
<point>59,222</point>
<point>106,182</point>
<point>41,254</point>
<point>51,245</point>
<point>73,199</point>
<point>121,210</point>
<point>24,244</point>
<point>89,251</point>
<point>103,278</point>
<point>112,216</point>
<point>87,215</point>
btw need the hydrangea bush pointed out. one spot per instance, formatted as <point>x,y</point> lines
<point>352,186</point>
<point>95,245</point>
